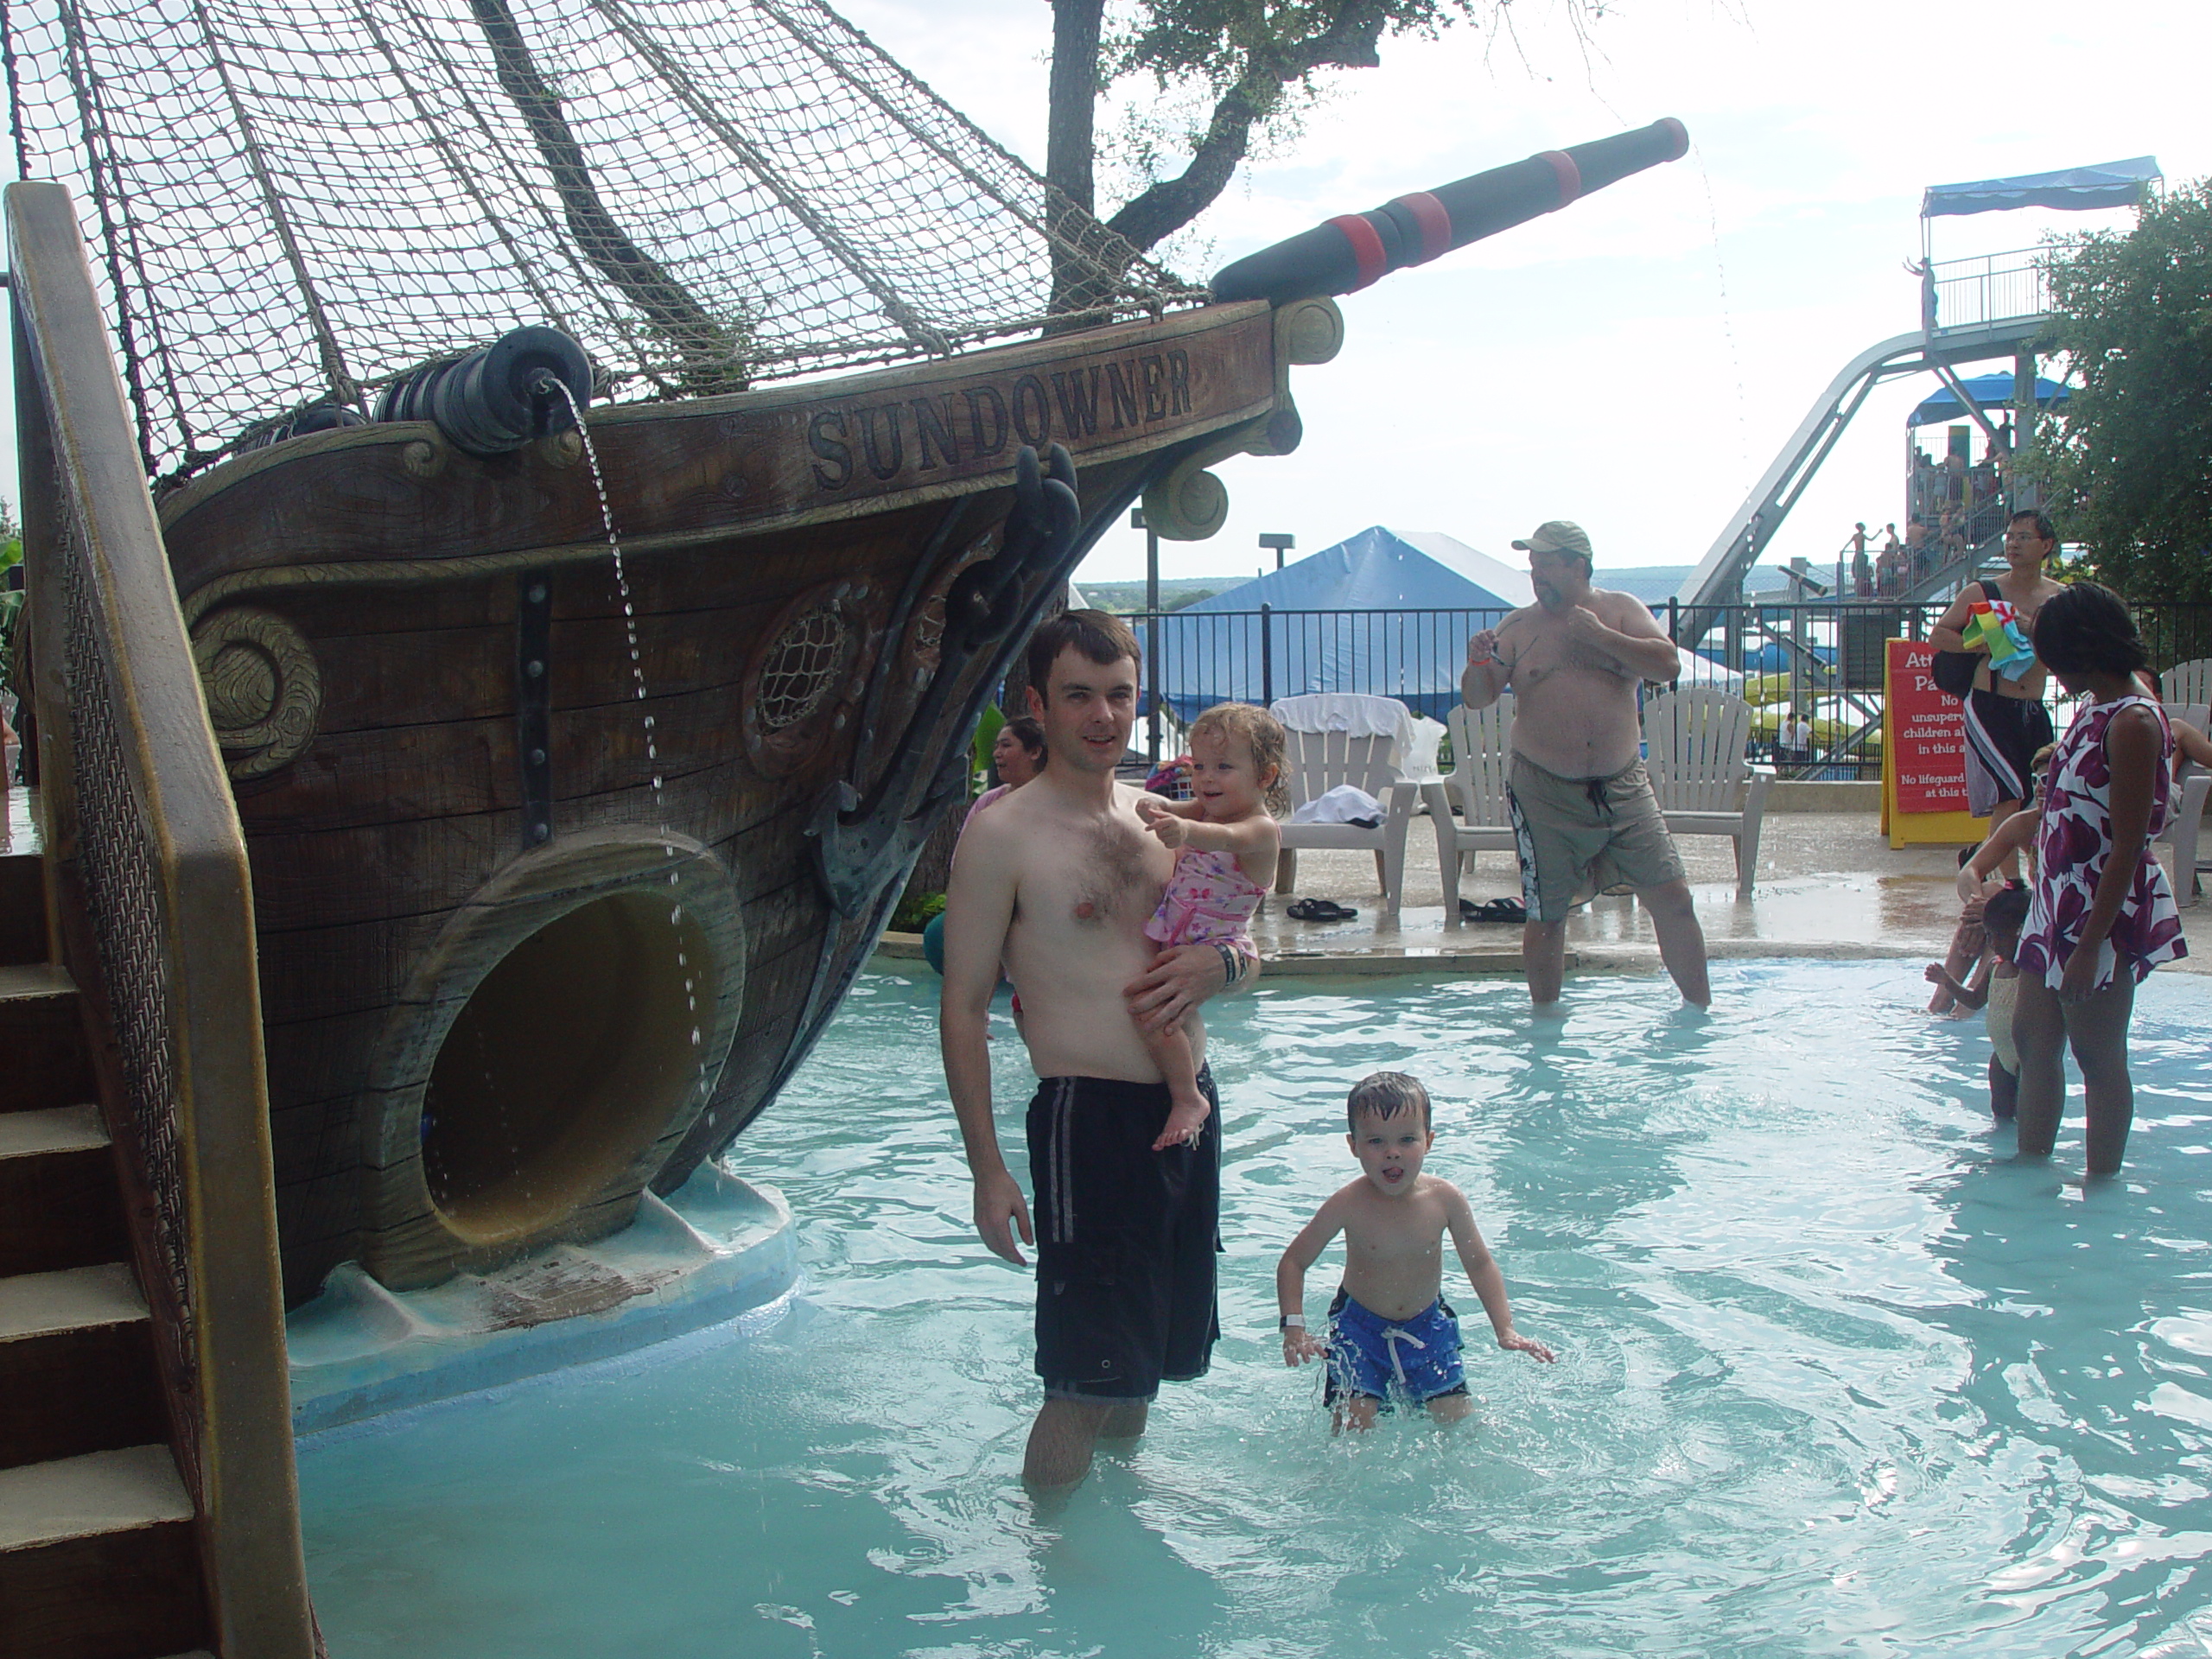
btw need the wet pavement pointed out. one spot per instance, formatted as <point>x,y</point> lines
<point>1828,884</point>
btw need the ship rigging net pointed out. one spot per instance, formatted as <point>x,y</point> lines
<point>297,202</point>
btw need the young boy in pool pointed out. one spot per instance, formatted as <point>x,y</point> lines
<point>1391,1334</point>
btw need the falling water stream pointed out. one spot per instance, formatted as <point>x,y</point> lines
<point>637,683</point>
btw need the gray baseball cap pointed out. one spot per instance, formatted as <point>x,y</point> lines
<point>1558,535</point>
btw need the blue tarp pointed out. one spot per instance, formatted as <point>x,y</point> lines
<point>1329,641</point>
<point>2071,189</point>
<point>1992,392</point>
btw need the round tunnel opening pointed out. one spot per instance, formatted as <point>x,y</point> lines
<point>575,1054</point>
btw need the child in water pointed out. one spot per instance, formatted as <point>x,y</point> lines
<point>1391,1333</point>
<point>1996,985</point>
<point>1226,844</point>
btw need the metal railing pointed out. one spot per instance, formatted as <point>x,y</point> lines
<point>1989,287</point>
<point>148,876</point>
<point>1825,659</point>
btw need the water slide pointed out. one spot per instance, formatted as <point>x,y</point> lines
<point>1719,576</point>
<point>1996,320</point>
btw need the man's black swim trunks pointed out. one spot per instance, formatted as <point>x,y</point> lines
<point>1126,1239</point>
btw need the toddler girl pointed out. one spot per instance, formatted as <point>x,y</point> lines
<point>1225,844</point>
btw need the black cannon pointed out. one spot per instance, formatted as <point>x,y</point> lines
<point>500,396</point>
<point>316,417</point>
<point>1348,252</point>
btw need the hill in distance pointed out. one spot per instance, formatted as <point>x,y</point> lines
<point>1175,594</point>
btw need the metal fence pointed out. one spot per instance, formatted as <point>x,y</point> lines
<point>1824,660</point>
<point>1989,287</point>
<point>148,867</point>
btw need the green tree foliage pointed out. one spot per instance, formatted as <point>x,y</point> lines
<point>2128,469</point>
<point>1228,73</point>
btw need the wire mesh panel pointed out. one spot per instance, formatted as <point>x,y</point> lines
<point>153,907</point>
<point>293,201</point>
<point>122,880</point>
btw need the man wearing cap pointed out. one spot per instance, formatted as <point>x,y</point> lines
<point>1584,815</point>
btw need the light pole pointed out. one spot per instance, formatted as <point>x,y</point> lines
<point>1151,633</point>
<point>1280,543</point>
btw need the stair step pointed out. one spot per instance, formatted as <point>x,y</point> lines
<point>55,1129</point>
<point>77,1370</point>
<point>23,907</point>
<point>59,1206</point>
<point>96,1557</point>
<point>43,1060</point>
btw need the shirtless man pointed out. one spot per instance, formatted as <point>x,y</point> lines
<point>1061,878</point>
<point>2006,719</point>
<point>1583,811</point>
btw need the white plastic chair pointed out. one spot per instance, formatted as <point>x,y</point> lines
<point>1316,761</point>
<point>2188,682</point>
<point>1700,772</point>
<point>1482,748</point>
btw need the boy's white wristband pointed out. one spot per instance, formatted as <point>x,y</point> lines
<point>1291,1322</point>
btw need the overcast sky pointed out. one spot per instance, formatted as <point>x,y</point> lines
<point>1635,361</point>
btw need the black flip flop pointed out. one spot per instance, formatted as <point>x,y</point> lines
<point>1320,910</point>
<point>1502,911</point>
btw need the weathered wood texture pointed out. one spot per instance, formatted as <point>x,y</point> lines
<point>689,474</point>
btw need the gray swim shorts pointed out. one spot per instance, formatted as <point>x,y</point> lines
<point>1579,835</point>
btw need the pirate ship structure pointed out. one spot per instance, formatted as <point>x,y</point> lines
<point>560,861</point>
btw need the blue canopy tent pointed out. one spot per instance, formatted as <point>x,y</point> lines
<point>2070,189</point>
<point>1341,619</point>
<point>1990,391</point>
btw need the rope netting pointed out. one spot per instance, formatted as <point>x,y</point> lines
<point>297,202</point>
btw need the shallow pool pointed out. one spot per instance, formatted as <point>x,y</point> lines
<point>1834,1375</point>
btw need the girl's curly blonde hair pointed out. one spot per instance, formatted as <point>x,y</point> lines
<point>1260,731</point>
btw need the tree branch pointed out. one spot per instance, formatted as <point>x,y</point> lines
<point>1348,41</point>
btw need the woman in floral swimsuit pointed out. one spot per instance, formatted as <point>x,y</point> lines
<point>2102,915</point>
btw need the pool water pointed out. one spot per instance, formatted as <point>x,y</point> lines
<point>1835,1376</point>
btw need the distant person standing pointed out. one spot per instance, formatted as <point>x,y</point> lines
<point>1584,815</point>
<point>1862,568</point>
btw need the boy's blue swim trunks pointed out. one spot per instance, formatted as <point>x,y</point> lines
<point>1415,1359</point>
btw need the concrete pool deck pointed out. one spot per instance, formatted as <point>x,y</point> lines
<point>1829,884</point>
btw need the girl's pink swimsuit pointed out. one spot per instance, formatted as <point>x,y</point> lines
<point>1209,898</point>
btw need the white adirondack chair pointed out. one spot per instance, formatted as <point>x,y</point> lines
<point>1699,773</point>
<point>1482,744</point>
<point>2188,682</point>
<point>1317,760</point>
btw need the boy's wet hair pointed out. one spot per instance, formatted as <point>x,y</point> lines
<point>1384,1095</point>
<point>2005,912</point>
<point>1260,731</point>
<point>1099,635</point>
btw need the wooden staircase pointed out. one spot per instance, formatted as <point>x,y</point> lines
<point>98,1547</point>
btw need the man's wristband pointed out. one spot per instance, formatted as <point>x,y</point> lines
<point>1291,1322</point>
<point>1232,964</point>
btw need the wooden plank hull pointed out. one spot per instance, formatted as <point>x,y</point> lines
<point>468,773</point>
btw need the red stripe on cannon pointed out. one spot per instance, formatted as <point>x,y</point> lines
<point>1569,174</point>
<point>1435,225</point>
<point>1366,247</point>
